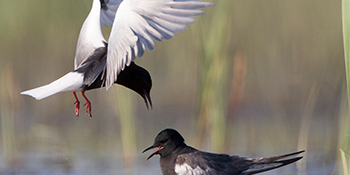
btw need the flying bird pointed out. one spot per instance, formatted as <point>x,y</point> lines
<point>176,158</point>
<point>136,24</point>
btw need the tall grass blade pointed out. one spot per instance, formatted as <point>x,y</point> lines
<point>306,123</point>
<point>125,109</point>
<point>7,115</point>
<point>344,139</point>
<point>213,99</point>
<point>344,162</point>
<point>346,39</point>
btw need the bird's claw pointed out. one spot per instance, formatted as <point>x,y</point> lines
<point>77,106</point>
<point>88,109</point>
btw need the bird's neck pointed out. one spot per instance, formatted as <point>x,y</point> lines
<point>167,164</point>
<point>182,148</point>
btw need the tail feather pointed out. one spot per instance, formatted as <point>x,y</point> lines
<point>265,164</point>
<point>72,81</point>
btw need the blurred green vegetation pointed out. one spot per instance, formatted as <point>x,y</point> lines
<point>344,139</point>
<point>253,78</point>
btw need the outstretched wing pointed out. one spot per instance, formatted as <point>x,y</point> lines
<point>138,22</point>
<point>108,10</point>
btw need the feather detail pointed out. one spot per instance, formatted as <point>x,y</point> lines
<point>72,81</point>
<point>138,23</point>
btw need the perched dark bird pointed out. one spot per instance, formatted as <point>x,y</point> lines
<point>135,24</point>
<point>176,158</point>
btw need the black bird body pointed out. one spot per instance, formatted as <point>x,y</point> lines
<point>133,76</point>
<point>176,158</point>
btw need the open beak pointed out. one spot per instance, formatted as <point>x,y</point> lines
<point>151,147</point>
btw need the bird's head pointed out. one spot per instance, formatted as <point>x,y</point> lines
<point>166,142</point>
<point>138,79</point>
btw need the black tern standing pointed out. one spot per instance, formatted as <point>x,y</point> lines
<point>136,24</point>
<point>176,158</point>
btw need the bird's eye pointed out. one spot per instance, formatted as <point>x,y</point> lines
<point>163,141</point>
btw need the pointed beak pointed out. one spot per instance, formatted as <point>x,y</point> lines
<point>146,96</point>
<point>151,147</point>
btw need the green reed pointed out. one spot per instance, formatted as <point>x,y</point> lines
<point>214,78</point>
<point>126,114</point>
<point>7,115</point>
<point>344,140</point>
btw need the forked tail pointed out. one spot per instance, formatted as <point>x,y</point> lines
<point>268,163</point>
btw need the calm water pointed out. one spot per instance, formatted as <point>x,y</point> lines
<point>86,164</point>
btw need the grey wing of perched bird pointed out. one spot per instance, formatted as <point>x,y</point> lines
<point>204,163</point>
<point>263,164</point>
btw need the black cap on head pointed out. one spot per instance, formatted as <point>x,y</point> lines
<point>170,134</point>
<point>166,141</point>
<point>138,79</point>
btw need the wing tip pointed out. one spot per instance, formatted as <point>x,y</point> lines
<point>210,4</point>
<point>291,154</point>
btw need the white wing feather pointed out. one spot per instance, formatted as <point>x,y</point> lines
<point>185,169</point>
<point>91,37</point>
<point>138,22</point>
<point>108,13</point>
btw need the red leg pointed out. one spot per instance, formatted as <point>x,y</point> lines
<point>77,104</point>
<point>87,104</point>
